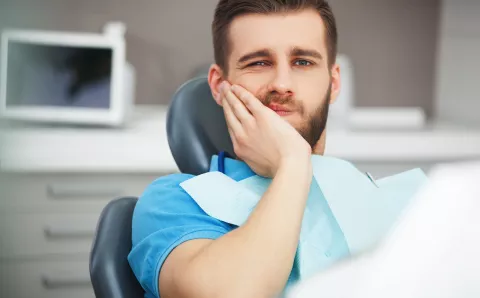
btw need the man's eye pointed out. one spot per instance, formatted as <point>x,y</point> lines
<point>258,63</point>
<point>303,63</point>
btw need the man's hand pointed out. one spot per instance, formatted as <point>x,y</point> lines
<point>255,259</point>
<point>260,137</point>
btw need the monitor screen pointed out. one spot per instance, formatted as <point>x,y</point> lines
<point>58,76</point>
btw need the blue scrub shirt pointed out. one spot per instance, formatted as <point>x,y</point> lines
<point>166,216</point>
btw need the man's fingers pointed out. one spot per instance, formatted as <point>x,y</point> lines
<point>237,106</point>
<point>234,125</point>
<point>233,138</point>
<point>249,100</point>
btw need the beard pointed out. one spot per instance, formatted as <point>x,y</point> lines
<point>314,124</point>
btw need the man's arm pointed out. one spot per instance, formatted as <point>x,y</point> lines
<point>254,260</point>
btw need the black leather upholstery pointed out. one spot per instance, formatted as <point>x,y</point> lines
<point>196,130</point>
<point>196,127</point>
<point>110,272</point>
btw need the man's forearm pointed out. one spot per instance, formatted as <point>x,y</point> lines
<point>255,260</point>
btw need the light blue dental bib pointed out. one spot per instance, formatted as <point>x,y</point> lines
<point>346,212</point>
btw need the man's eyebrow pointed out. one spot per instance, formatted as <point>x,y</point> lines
<point>256,54</point>
<point>306,53</point>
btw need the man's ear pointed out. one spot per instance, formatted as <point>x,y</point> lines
<point>336,83</point>
<point>215,78</point>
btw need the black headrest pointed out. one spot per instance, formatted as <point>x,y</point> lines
<point>196,127</point>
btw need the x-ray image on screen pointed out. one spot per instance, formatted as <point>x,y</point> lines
<point>58,76</point>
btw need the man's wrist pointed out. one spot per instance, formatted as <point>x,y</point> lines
<point>299,165</point>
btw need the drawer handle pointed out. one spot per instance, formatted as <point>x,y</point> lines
<point>55,282</point>
<point>66,232</point>
<point>61,191</point>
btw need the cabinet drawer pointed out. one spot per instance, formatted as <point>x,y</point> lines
<point>27,235</point>
<point>66,193</point>
<point>43,279</point>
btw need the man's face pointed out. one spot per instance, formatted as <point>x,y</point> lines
<point>282,60</point>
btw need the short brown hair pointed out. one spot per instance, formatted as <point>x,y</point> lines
<point>227,10</point>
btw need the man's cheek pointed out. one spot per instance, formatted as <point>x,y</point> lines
<point>255,84</point>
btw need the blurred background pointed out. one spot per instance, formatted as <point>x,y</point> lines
<point>413,62</point>
<point>404,52</point>
<point>393,44</point>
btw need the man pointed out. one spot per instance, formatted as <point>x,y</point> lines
<point>275,76</point>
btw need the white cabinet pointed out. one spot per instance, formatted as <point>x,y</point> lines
<point>54,183</point>
<point>46,278</point>
<point>67,192</point>
<point>47,224</point>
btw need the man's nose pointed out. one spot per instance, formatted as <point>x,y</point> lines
<point>281,82</point>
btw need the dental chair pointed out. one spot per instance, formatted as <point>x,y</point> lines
<point>196,130</point>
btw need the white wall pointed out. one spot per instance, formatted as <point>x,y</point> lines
<point>458,80</point>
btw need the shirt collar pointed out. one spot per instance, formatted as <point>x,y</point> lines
<point>235,169</point>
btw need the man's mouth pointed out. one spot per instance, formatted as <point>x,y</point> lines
<point>280,110</point>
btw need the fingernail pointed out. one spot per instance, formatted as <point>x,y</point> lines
<point>234,88</point>
<point>222,86</point>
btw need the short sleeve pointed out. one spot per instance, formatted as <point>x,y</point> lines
<point>166,216</point>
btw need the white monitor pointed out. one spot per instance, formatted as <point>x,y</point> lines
<point>67,77</point>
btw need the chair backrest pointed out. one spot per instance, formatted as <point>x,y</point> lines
<point>110,272</point>
<point>196,127</point>
<point>196,130</point>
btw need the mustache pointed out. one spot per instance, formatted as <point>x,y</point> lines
<point>288,101</point>
<point>275,98</point>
